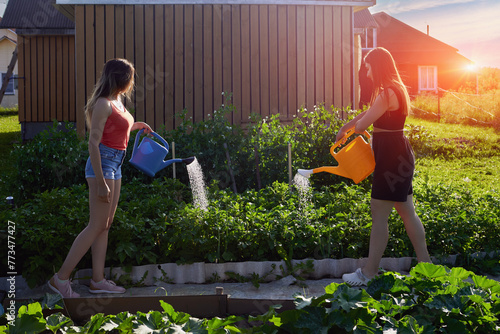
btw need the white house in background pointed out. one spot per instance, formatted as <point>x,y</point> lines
<point>8,42</point>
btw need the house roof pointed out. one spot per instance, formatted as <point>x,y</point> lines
<point>405,36</point>
<point>410,45</point>
<point>68,6</point>
<point>34,14</point>
<point>363,3</point>
<point>363,19</point>
<point>8,39</point>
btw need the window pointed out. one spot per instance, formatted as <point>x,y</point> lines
<point>10,86</point>
<point>427,78</point>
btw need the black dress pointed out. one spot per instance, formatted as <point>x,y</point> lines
<point>394,158</point>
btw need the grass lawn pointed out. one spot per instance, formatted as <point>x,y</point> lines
<point>476,174</point>
<point>448,130</point>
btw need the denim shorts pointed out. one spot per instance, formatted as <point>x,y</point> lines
<point>111,161</point>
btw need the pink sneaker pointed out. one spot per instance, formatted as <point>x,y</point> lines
<point>105,286</point>
<point>61,287</point>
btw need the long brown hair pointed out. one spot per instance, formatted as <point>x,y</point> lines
<point>385,74</point>
<point>117,78</point>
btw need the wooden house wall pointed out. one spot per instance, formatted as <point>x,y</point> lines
<point>272,58</point>
<point>46,70</point>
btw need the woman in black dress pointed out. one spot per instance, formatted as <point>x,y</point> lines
<point>394,159</point>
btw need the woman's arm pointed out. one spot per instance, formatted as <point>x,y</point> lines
<point>100,114</point>
<point>348,126</point>
<point>140,126</point>
<point>379,107</point>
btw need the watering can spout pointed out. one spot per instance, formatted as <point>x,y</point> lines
<point>186,161</point>
<point>305,172</point>
<point>337,170</point>
<point>189,160</point>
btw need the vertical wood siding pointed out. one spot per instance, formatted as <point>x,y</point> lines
<point>272,58</point>
<point>47,78</point>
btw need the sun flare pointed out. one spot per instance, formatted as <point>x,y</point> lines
<point>472,67</point>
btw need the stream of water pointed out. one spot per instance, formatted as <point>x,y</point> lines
<point>198,188</point>
<point>303,186</point>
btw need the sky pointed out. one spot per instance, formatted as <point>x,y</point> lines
<point>471,26</point>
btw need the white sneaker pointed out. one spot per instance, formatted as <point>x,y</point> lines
<point>356,278</point>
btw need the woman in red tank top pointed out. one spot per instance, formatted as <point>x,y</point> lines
<point>394,162</point>
<point>110,125</point>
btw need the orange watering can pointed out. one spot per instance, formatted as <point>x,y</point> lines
<point>355,159</point>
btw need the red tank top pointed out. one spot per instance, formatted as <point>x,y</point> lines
<point>116,131</point>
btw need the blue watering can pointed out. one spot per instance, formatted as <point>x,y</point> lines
<point>148,155</point>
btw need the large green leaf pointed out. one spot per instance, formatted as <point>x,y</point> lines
<point>312,320</point>
<point>349,298</point>
<point>428,270</point>
<point>57,321</point>
<point>486,284</point>
<point>28,323</point>
<point>387,283</point>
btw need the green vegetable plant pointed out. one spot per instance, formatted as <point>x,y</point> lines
<point>432,299</point>
<point>54,158</point>
<point>251,226</point>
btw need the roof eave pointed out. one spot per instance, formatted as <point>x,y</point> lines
<point>66,10</point>
<point>67,7</point>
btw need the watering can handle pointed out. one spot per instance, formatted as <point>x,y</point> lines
<point>341,141</point>
<point>138,135</point>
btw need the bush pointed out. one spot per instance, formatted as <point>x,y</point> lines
<point>53,159</point>
<point>310,134</point>
<point>57,158</point>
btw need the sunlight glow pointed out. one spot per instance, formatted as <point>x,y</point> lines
<point>472,67</point>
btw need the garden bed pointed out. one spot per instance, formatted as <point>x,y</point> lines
<point>430,299</point>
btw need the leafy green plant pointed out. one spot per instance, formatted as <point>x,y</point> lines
<point>254,278</point>
<point>46,226</point>
<point>157,219</point>
<point>54,158</point>
<point>30,319</point>
<point>164,277</point>
<point>432,299</point>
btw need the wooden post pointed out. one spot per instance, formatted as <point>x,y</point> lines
<point>439,106</point>
<point>289,163</point>
<point>173,157</point>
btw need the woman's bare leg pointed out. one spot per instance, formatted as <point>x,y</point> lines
<point>414,228</point>
<point>379,235</point>
<point>100,244</point>
<point>99,214</point>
